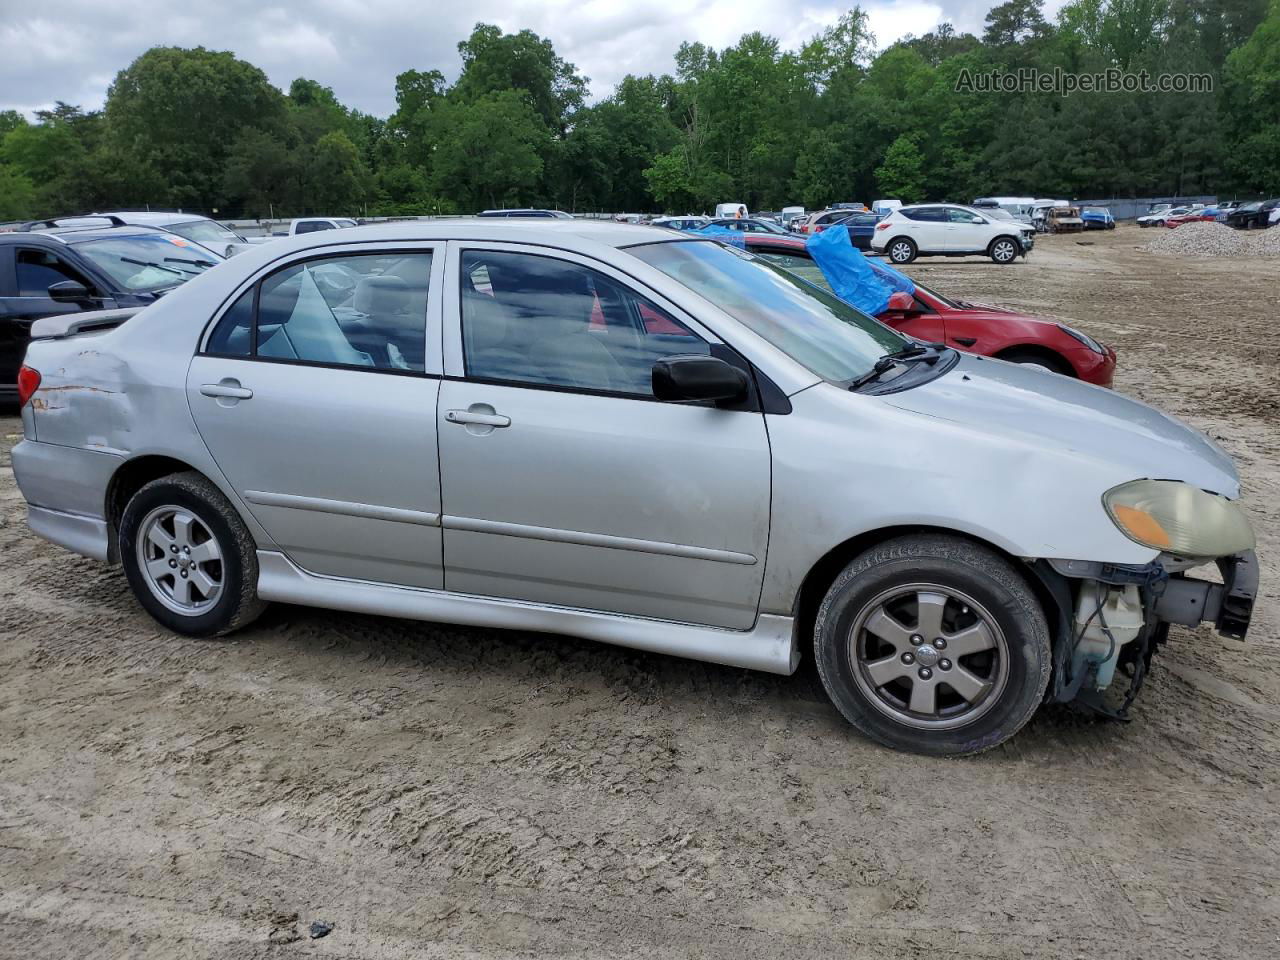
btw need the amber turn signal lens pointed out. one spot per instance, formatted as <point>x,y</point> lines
<point>1142,526</point>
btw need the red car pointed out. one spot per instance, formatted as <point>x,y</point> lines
<point>974,328</point>
<point>1193,216</point>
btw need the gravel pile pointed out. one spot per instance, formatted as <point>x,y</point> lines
<point>1216,240</point>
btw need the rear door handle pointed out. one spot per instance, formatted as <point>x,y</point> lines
<point>226,388</point>
<point>483,419</point>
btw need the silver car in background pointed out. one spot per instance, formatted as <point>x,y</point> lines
<point>639,437</point>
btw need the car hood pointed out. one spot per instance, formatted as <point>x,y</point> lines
<point>1073,418</point>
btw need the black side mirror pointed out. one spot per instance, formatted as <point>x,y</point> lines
<point>69,291</point>
<point>686,378</point>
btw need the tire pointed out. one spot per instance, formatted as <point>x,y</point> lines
<point>182,524</point>
<point>1005,669</point>
<point>1033,358</point>
<point>1111,226</point>
<point>901,250</point>
<point>1003,250</point>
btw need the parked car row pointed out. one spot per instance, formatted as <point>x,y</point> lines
<point>717,459</point>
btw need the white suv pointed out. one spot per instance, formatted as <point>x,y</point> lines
<point>947,230</point>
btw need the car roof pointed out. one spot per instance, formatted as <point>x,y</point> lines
<point>566,234</point>
<point>73,235</point>
<point>155,218</point>
<point>525,212</point>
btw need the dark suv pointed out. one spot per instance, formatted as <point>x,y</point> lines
<point>60,270</point>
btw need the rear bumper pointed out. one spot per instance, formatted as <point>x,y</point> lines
<point>66,493</point>
<point>86,536</point>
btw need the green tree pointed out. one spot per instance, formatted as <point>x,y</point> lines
<point>1252,104</point>
<point>17,194</point>
<point>901,174</point>
<point>494,62</point>
<point>180,110</point>
<point>477,168</point>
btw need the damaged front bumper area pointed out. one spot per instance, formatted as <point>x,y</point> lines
<point>1115,616</point>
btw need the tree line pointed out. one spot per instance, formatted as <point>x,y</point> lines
<point>755,123</point>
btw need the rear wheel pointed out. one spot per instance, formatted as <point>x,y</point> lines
<point>901,250</point>
<point>1003,250</point>
<point>188,557</point>
<point>933,644</point>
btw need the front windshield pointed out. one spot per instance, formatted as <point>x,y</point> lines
<point>204,231</point>
<point>816,329</point>
<point>945,301</point>
<point>146,262</point>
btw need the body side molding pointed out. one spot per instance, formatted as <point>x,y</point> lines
<point>770,646</point>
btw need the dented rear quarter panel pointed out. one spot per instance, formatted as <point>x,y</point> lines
<point>123,391</point>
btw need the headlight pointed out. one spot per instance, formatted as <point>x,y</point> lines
<point>1178,518</point>
<point>1084,338</point>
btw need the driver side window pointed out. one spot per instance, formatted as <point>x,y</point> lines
<point>962,216</point>
<point>40,269</point>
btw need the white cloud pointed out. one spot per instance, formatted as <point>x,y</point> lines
<point>358,46</point>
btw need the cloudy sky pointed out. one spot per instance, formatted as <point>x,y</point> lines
<point>71,51</point>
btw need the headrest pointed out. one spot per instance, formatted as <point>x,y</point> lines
<point>379,296</point>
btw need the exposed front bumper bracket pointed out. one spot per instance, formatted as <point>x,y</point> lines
<point>1227,605</point>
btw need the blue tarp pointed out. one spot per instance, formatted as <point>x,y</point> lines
<point>861,281</point>
<point>735,238</point>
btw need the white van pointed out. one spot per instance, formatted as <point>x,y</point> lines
<point>733,210</point>
<point>791,213</point>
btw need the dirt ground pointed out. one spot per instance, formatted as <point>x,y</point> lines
<point>443,792</point>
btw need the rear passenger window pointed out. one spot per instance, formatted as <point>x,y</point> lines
<point>233,336</point>
<point>533,319</point>
<point>356,311</point>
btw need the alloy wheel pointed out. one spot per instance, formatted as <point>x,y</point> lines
<point>928,656</point>
<point>180,560</point>
<point>1004,251</point>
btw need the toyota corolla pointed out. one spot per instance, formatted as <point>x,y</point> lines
<point>639,437</point>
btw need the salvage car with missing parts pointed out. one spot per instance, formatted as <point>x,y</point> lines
<point>639,437</point>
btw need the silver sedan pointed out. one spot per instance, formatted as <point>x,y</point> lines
<point>635,436</point>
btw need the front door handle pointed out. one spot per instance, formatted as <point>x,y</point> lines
<point>226,387</point>
<point>476,417</point>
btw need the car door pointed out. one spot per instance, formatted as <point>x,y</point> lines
<point>966,232</point>
<point>563,480</point>
<point>926,226</point>
<point>315,393</point>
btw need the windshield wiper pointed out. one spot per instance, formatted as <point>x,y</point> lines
<point>158,266</point>
<point>197,263</point>
<point>916,353</point>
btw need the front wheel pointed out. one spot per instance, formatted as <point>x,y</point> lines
<point>933,644</point>
<point>1003,250</point>
<point>901,250</point>
<point>187,555</point>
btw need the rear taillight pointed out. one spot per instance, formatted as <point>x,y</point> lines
<point>882,226</point>
<point>28,383</point>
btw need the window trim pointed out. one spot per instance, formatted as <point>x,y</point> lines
<point>432,359</point>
